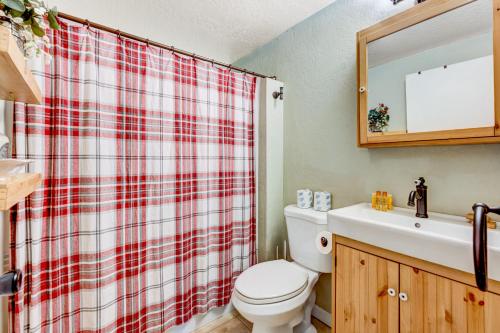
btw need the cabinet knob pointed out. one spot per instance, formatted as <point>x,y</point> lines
<point>403,297</point>
<point>362,89</point>
<point>391,292</point>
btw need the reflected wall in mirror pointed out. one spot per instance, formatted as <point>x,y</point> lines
<point>429,74</point>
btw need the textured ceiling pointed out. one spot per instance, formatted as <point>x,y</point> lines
<point>222,29</point>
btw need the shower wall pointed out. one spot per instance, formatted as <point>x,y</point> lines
<point>270,177</point>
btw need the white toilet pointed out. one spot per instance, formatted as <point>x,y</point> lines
<point>278,296</point>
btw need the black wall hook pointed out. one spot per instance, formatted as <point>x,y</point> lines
<point>279,94</point>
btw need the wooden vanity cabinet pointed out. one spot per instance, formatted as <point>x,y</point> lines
<point>362,301</point>
<point>377,294</point>
<point>438,304</point>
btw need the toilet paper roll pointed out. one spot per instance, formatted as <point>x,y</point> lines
<point>304,198</point>
<point>322,201</point>
<point>324,242</point>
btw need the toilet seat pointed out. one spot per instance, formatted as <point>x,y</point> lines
<point>271,282</point>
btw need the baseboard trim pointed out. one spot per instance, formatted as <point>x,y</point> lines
<point>322,315</point>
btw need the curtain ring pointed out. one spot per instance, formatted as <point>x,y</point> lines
<point>147,42</point>
<point>230,68</point>
<point>86,23</point>
<point>172,49</point>
<point>212,61</point>
<point>119,33</point>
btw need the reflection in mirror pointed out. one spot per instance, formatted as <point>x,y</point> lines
<point>434,76</point>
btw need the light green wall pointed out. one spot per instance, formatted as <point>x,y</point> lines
<point>317,62</point>
<point>387,82</point>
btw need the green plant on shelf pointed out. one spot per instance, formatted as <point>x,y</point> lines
<point>378,118</point>
<point>31,19</point>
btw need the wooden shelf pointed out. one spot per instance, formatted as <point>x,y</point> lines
<point>16,80</point>
<point>15,188</point>
<point>372,134</point>
<point>410,138</point>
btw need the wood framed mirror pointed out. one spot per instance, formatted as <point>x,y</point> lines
<point>431,76</point>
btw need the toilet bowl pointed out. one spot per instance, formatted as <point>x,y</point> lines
<point>278,296</point>
<point>273,306</point>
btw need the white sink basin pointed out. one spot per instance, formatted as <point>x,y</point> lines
<point>441,239</point>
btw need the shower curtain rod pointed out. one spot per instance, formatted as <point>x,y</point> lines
<point>163,46</point>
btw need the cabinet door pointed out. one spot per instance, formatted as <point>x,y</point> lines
<point>437,304</point>
<point>363,303</point>
<point>492,315</point>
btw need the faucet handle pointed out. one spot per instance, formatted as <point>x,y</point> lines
<point>494,210</point>
<point>420,181</point>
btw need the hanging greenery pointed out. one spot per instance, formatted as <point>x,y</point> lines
<point>32,18</point>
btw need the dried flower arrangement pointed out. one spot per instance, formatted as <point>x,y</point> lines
<point>30,18</point>
<point>378,118</point>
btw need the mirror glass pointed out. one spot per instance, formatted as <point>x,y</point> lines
<point>434,76</point>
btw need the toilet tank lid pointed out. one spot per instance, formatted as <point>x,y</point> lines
<point>307,214</point>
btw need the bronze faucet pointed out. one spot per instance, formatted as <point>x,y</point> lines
<point>420,194</point>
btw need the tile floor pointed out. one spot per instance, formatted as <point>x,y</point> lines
<point>237,324</point>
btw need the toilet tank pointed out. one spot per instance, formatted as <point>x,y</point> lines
<point>303,225</point>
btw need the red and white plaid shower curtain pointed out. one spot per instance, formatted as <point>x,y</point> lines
<point>146,214</point>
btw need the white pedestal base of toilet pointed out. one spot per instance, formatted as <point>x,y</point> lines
<point>305,326</point>
<point>300,324</point>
